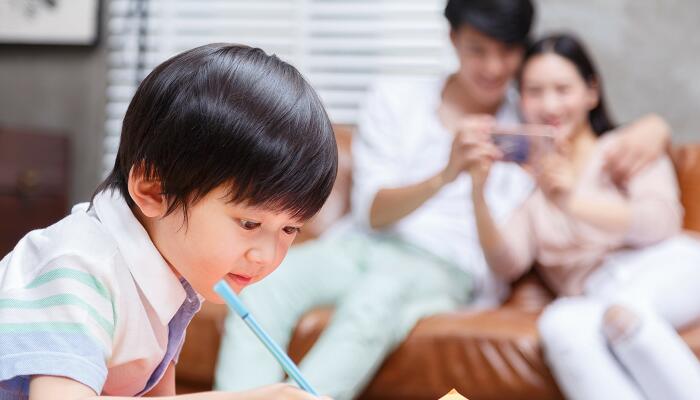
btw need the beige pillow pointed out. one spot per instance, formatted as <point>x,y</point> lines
<point>453,395</point>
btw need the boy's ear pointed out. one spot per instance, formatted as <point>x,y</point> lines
<point>453,37</point>
<point>147,193</point>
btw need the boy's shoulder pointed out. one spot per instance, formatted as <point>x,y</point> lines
<point>77,242</point>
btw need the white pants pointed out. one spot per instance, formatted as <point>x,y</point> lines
<point>661,284</point>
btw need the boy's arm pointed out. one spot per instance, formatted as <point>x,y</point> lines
<point>44,387</point>
<point>166,385</point>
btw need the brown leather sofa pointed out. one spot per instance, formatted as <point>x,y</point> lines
<point>485,355</point>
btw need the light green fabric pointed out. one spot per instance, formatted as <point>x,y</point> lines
<point>379,287</point>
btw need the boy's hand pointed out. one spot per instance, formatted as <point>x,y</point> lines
<point>61,388</point>
<point>278,391</point>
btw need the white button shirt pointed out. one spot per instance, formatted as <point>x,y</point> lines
<point>401,141</point>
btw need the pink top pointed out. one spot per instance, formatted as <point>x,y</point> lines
<point>566,250</point>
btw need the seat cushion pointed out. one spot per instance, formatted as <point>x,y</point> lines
<point>484,355</point>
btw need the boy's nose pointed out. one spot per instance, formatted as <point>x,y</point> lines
<point>263,253</point>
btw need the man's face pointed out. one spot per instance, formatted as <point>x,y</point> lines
<point>486,65</point>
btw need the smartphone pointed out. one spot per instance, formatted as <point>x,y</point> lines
<point>523,144</point>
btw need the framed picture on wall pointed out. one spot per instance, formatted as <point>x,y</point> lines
<point>49,22</point>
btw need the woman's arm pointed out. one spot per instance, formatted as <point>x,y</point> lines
<point>610,215</point>
<point>509,252</point>
<point>557,179</point>
<point>508,255</point>
<point>649,212</point>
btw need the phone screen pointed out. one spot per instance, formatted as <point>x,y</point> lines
<point>523,144</point>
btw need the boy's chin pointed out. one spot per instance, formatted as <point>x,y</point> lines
<point>213,297</point>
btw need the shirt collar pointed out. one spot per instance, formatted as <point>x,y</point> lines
<point>508,111</point>
<point>149,270</point>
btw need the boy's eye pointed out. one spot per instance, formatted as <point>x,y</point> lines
<point>290,230</point>
<point>248,225</point>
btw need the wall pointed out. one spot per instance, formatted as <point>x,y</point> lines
<point>647,51</point>
<point>62,89</point>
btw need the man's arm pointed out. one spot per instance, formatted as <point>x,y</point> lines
<point>392,204</point>
<point>637,145</point>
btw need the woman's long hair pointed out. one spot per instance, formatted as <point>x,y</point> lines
<point>569,47</point>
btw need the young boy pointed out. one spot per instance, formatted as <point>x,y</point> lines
<point>225,152</point>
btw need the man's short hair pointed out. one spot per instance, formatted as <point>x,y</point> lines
<point>508,21</point>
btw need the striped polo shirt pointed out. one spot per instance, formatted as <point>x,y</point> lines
<point>91,298</point>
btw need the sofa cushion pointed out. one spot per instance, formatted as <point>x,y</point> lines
<point>485,355</point>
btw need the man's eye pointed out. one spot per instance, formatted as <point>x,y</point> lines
<point>248,225</point>
<point>476,50</point>
<point>290,230</point>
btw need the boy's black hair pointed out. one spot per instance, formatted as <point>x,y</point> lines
<point>508,21</point>
<point>569,47</point>
<point>225,114</point>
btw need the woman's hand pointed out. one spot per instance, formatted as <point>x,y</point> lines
<point>556,178</point>
<point>472,150</point>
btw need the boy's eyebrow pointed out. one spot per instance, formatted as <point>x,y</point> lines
<point>262,210</point>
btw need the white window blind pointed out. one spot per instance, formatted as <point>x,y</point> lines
<point>339,45</point>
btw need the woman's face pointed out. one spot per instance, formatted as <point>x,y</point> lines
<point>553,92</point>
<point>486,65</point>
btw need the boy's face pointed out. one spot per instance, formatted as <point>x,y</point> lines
<point>222,240</point>
<point>486,65</point>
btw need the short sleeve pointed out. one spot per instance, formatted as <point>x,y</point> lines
<point>59,321</point>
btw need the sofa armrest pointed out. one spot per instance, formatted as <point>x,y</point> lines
<point>686,159</point>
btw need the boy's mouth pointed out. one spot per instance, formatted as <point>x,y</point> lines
<point>240,280</point>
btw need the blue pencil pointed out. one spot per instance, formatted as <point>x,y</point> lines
<point>237,305</point>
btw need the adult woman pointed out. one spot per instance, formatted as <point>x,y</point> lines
<point>612,250</point>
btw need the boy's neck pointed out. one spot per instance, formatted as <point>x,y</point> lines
<point>147,224</point>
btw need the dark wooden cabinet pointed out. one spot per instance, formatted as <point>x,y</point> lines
<point>34,170</point>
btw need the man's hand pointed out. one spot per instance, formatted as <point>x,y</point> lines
<point>472,150</point>
<point>636,146</point>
